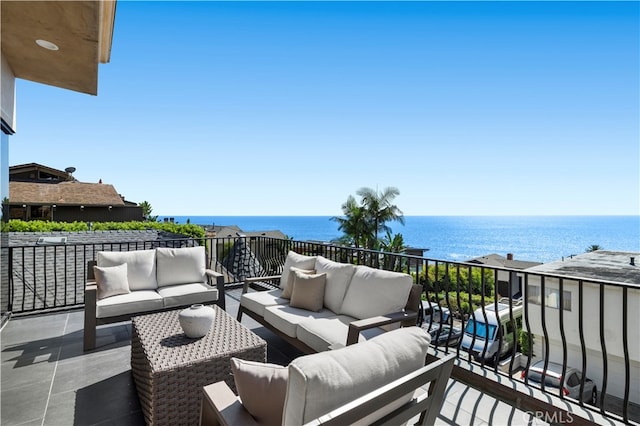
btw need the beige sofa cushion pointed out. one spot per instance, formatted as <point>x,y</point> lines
<point>324,381</point>
<point>187,294</point>
<point>338,277</point>
<point>286,319</point>
<point>308,290</point>
<point>111,280</point>
<point>130,303</point>
<point>288,289</point>
<point>180,265</point>
<point>141,266</point>
<point>258,300</point>
<point>262,389</point>
<point>323,334</point>
<point>374,292</point>
<point>298,261</point>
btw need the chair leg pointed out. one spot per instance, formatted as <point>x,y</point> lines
<point>90,321</point>
<point>89,332</point>
<point>239,318</point>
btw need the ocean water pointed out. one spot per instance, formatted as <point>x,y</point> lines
<point>459,238</point>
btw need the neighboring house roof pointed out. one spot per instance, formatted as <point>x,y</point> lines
<point>601,265</point>
<point>64,193</point>
<point>501,261</point>
<point>39,171</point>
<point>270,234</point>
<point>235,231</point>
<point>227,231</point>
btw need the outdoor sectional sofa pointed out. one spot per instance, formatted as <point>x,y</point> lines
<point>381,381</point>
<point>352,303</point>
<point>129,283</point>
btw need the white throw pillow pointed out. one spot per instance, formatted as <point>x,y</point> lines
<point>262,389</point>
<point>298,261</point>
<point>111,280</point>
<point>338,278</point>
<point>374,292</point>
<point>324,381</point>
<point>141,266</point>
<point>183,265</point>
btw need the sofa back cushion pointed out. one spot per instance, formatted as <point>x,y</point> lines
<point>183,265</point>
<point>298,261</point>
<point>338,278</point>
<point>141,266</point>
<point>374,292</point>
<point>324,381</point>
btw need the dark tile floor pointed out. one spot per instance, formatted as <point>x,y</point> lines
<point>47,379</point>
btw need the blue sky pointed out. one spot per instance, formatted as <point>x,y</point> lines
<point>213,108</point>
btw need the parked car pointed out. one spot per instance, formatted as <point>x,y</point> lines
<point>445,336</point>
<point>570,383</point>
<point>435,314</point>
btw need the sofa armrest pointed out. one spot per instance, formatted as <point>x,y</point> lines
<point>218,278</point>
<point>355,327</point>
<point>248,281</point>
<point>220,406</point>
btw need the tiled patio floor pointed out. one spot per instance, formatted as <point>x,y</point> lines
<point>48,380</point>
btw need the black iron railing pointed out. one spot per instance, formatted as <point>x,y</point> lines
<point>571,320</point>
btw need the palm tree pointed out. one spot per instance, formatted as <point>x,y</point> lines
<point>353,224</point>
<point>593,247</point>
<point>146,211</point>
<point>379,210</point>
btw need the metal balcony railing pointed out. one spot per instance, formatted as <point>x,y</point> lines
<point>504,319</point>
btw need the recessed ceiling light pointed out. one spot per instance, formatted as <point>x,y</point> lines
<point>47,44</point>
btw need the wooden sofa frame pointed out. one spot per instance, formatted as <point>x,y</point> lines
<point>408,317</point>
<point>220,406</point>
<point>91,297</point>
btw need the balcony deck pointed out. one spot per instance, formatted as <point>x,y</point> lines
<point>48,380</point>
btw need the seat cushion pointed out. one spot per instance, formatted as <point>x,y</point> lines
<point>286,319</point>
<point>187,294</point>
<point>130,303</point>
<point>180,265</point>
<point>324,381</point>
<point>338,278</point>
<point>323,334</point>
<point>141,266</point>
<point>298,261</point>
<point>374,292</point>
<point>258,300</point>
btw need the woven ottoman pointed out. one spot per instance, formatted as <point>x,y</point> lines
<point>170,369</point>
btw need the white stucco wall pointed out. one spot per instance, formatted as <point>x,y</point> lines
<point>612,321</point>
<point>8,94</point>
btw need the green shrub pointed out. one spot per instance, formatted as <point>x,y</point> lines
<point>16,225</point>
<point>523,340</point>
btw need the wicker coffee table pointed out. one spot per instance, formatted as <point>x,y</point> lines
<point>170,369</point>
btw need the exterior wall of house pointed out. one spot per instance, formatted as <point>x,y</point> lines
<point>7,113</point>
<point>4,166</point>
<point>612,321</point>
<point>8,97</point>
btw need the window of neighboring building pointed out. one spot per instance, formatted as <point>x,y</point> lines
<point>551,297</point>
